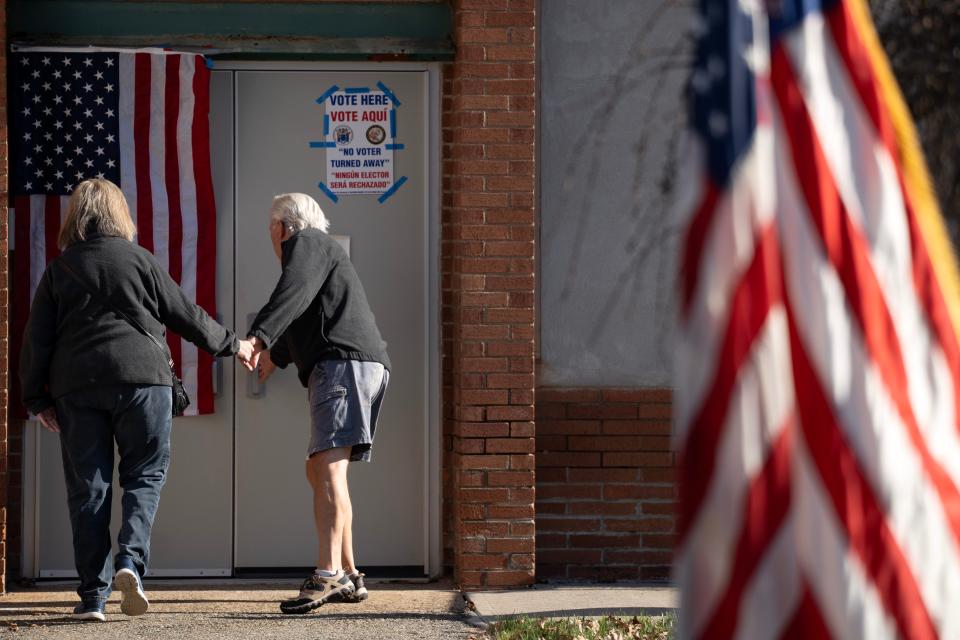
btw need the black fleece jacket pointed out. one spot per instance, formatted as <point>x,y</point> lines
<point>318,310</point>
<point>73,341</point>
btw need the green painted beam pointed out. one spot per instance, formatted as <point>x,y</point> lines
<point>335,29</point>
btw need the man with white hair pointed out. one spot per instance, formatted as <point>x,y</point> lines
<point>319,319</point>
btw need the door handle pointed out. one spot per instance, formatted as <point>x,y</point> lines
<point>217,373</point>
<point>255,388</point>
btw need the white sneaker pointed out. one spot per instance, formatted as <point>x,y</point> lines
<point>134,601</point>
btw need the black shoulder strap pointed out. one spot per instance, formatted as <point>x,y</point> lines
<point>102,298</point>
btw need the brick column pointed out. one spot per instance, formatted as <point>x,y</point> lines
<point>4,303</point>
<point>489,114</point>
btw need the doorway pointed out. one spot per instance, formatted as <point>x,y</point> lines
<point>236,501</point>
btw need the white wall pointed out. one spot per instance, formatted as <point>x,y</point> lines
<point>612,104</point>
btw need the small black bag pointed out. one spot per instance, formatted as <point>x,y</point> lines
<point>180,398</point>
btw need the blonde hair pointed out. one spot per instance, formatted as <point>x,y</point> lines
<point>298,211</point>
<point>96,206</point>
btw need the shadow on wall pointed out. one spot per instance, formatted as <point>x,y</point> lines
<point>613,170</point>
<point>612,132</point>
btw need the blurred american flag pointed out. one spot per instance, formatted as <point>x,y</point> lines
<point>818,372</point>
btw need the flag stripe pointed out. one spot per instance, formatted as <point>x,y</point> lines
<point>807,622</point>
<point>774,590</point>
<point>206,254</point>
<point>38,240</point>
<point>188,211</point>
<point>51,224</point>
<point>172,168</point>
<point>767,505</point>
<point>758,290</point>
<point>170,67</point>
<point>854,502</point>
<point>141,149</point>
<point>126,113</point>
<point>158,162</point>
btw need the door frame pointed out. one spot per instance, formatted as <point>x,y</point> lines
<point>432,436</point>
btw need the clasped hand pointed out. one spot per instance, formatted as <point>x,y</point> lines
<point>248,353</point>
<point>253,356</point>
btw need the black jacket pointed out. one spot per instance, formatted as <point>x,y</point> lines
<point>73,342</point>
<point>318,310</point>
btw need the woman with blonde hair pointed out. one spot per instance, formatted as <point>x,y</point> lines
<point>91,373</point>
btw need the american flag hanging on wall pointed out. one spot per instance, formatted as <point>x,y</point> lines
<point>818,373</point>
<point>137,118</point>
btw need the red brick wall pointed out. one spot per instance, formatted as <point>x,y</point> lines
<point>605,491</point>
<point>489,113</point>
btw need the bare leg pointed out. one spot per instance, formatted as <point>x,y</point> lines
<point>327,473</point>
<point>346,543</point>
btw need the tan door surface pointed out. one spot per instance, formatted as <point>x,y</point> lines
<point>277,117</point>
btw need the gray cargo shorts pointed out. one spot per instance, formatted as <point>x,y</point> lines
<point>345,398</point>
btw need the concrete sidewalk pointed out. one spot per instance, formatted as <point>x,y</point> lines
<point>240,609</point>
<point>213,609</point>
<point>573,600</point>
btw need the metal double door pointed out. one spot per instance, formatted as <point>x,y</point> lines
<point>236,499</point>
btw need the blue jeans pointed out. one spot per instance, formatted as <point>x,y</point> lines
<point>137,418</point>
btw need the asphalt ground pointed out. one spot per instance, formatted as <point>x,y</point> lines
<point>240,609</point>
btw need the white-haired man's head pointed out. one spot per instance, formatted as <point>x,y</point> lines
<point>298,211</point>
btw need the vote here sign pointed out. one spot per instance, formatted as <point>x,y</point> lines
<point>359,161</point>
